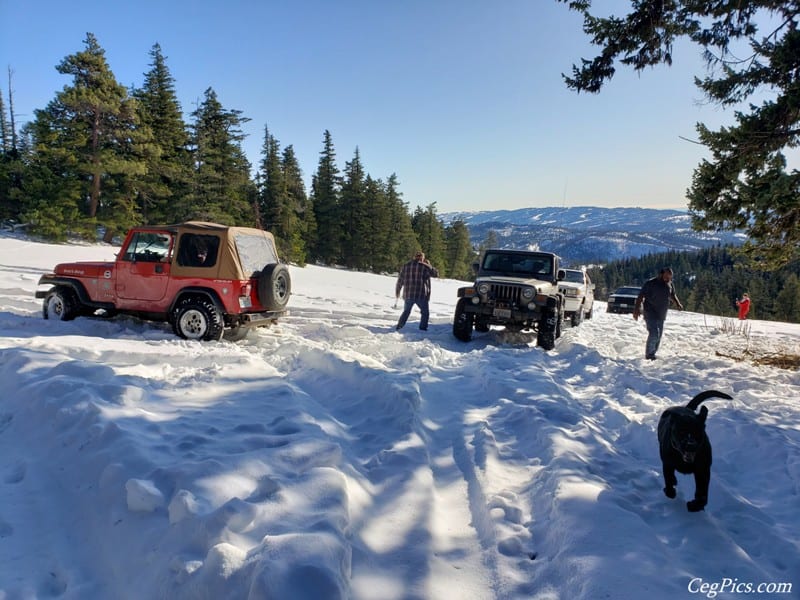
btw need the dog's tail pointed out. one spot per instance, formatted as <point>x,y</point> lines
<point>702,396</point>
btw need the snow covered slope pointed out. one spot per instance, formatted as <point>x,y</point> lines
<point>332,457</point>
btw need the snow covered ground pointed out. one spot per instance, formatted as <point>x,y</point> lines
<point>332,457</point>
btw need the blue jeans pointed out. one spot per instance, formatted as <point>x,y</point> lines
<point>655,328</point>
<point>423,309</point>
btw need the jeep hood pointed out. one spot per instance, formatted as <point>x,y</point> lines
<point>85,269</point>
<point>501,280</point>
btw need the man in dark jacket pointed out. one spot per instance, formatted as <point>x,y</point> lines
<point>656,294</point>
<point>415,281</point>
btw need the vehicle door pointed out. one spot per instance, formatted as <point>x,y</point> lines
<point>144,268</point>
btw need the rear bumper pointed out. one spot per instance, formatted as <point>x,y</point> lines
<point>259,319</point>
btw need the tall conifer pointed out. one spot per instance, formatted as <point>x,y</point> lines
<point>325,186</point>
<point>354,215</point>
<point>169,166</point>
<point>403,241</point>
<point>221,190</point>
<point>301,217</point>
<point>89,139</point>
<point>430,233</point>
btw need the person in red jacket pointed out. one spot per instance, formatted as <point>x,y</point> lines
<point>744,306</point>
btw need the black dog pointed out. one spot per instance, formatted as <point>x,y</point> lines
<point>684,447</point>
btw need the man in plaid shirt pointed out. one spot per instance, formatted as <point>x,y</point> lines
<point>415,281</point>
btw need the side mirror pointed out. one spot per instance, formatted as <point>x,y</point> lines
<point>561,275</point>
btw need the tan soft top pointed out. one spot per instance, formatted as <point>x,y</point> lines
<point>229,264</point>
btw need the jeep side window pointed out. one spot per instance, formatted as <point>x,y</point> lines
<point>198,250</point>
<point>147,247</point>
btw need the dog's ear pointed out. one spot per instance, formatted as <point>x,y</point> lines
<point>703,414</point>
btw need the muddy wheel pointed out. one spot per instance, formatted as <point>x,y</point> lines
<point>462,322</point>
<point>274,287</point>
<point>197,319</point>
<point>60,304</point>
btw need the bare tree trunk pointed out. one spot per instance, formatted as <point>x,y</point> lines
<point>11,113</point>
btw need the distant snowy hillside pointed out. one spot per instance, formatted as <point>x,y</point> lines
<point>590,234</point>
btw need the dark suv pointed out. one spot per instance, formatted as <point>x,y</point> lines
<point>623,299</point>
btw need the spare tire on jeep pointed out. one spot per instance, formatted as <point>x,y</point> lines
<point>274,287</point>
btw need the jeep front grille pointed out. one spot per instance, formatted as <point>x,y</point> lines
<point>506,293</point>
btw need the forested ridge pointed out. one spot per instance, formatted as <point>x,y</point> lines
<point>710,281</point>
<point>100,157</point>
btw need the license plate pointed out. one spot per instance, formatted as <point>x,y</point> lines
<point>502,313</point>
<point>624,305</point>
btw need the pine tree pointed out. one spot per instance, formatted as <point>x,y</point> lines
<point>490,241</point>
<point>272,195</point>
<point>169,166</point>
<point>6,147</point>
<point>281,197</point>
<point>787,302</point>
<point>460,254</point>
<point>221,190</point>
<point>10,167</point>
<point>430,233</point>
<point>89,140</point>
<point>325,186</point>
<point>354,215</point>
<point>379,227</point>
<point>301,213</point>
<point>745,184</point>
<point>402,240</point>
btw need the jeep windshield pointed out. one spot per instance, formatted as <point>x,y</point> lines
<point>517,264</point>
<point>573,276</point>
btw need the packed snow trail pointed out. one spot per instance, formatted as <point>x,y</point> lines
<point>333,457</point>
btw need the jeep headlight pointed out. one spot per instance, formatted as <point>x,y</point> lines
<point>528,292</point>
<point>483,288</point>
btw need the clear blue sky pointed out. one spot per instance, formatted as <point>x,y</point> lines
<point>462,99</point>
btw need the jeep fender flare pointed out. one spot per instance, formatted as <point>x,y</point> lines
<point>73,284</point>
<point>197,292</point>
<point>77,287</point>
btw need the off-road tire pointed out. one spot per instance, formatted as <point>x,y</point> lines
<point>235,334</point>
<point>549,329</point>
<point>61,304</point>
<point>578,316</point>
<point>462,322</point>
<point>589,314</point>
<point>274,287</point>
<point>197,319</point>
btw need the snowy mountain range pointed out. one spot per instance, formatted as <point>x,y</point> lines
<point>591,234</point>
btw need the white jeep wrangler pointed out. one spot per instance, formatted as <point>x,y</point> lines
<point>517,289</point>
<point>578,291</point>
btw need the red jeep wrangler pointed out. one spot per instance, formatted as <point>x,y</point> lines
<point>205,279</point>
